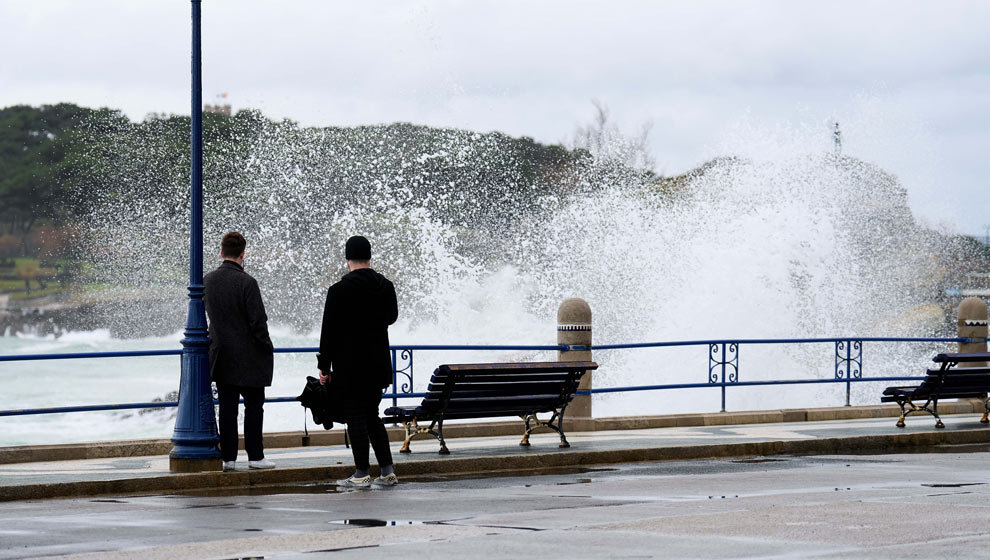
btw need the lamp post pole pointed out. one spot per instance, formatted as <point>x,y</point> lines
<point>195,437</point>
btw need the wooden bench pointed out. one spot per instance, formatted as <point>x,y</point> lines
<point>947,382</point>
<point>458,391</point>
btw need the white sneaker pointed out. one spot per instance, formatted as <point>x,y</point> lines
<point>261,464</point>
<point>229,466</point>
<point>387,480</point>
<point>355,482</point>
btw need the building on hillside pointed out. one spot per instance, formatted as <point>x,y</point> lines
<point>219,109</point>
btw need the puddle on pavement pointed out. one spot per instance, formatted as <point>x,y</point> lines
<point>380,522</point>
<point>578,481</point>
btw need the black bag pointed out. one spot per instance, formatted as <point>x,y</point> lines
<point>323,401</point>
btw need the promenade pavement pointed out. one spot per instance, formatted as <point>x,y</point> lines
<point>494,455</point>
<point>788,490</point>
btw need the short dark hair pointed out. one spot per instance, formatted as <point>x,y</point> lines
<point>232,245</point>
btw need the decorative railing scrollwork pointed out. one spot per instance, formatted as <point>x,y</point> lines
<point>407,370</point>
<point>725,357</point>
<point>848,359</point>
<point>848,363</point>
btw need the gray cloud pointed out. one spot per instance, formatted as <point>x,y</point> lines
<point>912,76</point>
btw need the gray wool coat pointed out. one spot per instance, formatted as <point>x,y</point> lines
<point>241,351</point>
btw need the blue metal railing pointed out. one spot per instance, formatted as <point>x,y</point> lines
<point>84,355</point>
<point>723,366</point>
<point>723,361</point>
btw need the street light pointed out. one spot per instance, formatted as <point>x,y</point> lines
<point>195,435</point>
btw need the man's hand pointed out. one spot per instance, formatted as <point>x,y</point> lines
<point>324,378</point>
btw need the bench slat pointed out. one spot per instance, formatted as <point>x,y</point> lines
<point>961,370</point>
<point>463,415</point>
<point>530,367</point>
<point>500,378</point>
<point>507,399</point>
<point>508,388</point>
<point>961,358</point>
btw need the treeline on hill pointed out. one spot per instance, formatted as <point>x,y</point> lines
<point>57,161</point>
<point>62,164</point>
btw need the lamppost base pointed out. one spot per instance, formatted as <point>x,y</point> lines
<point>178,465</point>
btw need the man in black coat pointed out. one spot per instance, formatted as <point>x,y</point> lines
<point>241,352</point>
<point>354,350</point>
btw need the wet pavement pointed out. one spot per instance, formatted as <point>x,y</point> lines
<point>489,454</point>
<point>835,506</point>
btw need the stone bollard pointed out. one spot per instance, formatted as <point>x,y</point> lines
<point>972,323</point>
<point>574,328</point>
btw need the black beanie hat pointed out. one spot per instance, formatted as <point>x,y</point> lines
<point>357,249</point>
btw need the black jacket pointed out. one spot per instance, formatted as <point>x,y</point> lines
<point>354,338</point>
<point>324,401</point>
<point>240,348</point>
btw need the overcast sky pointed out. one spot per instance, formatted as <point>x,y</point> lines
<point>908,81</point>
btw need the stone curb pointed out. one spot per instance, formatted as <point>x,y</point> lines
<point>158,447</point>
<point>510,464</point>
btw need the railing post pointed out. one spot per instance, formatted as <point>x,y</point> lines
<point>848,373</point>
<point>848,366</point>
<point>723,378</point>
<point>395,388</point>
<point>972,324</point>
<point>725,356</point>
<point>574,329</point>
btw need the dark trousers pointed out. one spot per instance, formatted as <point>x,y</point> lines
<point>364,425</point>
<point>254,414</point>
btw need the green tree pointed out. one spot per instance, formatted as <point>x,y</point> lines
<point>28,271</point>
<point>8,248</point>
<point>32,148</point>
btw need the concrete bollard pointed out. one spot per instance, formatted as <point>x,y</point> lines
<point>972,323</point>
<point>574,328</point>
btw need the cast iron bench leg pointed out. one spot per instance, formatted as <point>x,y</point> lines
<point>443,444</point>
<point>412,428</point>
<point>559,417</point>
<point>525,439</point>
<point>900,421</point>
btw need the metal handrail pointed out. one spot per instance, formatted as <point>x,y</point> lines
<point>728,378</point>
<point>743,384</point>
<point>964,340</point>
<point>87,355</point>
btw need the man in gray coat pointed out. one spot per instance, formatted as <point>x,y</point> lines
<point>241,352</point>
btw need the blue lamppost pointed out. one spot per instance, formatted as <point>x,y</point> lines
<point>195,436</point>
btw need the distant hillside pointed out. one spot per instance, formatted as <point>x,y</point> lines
<point>57,161</point>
